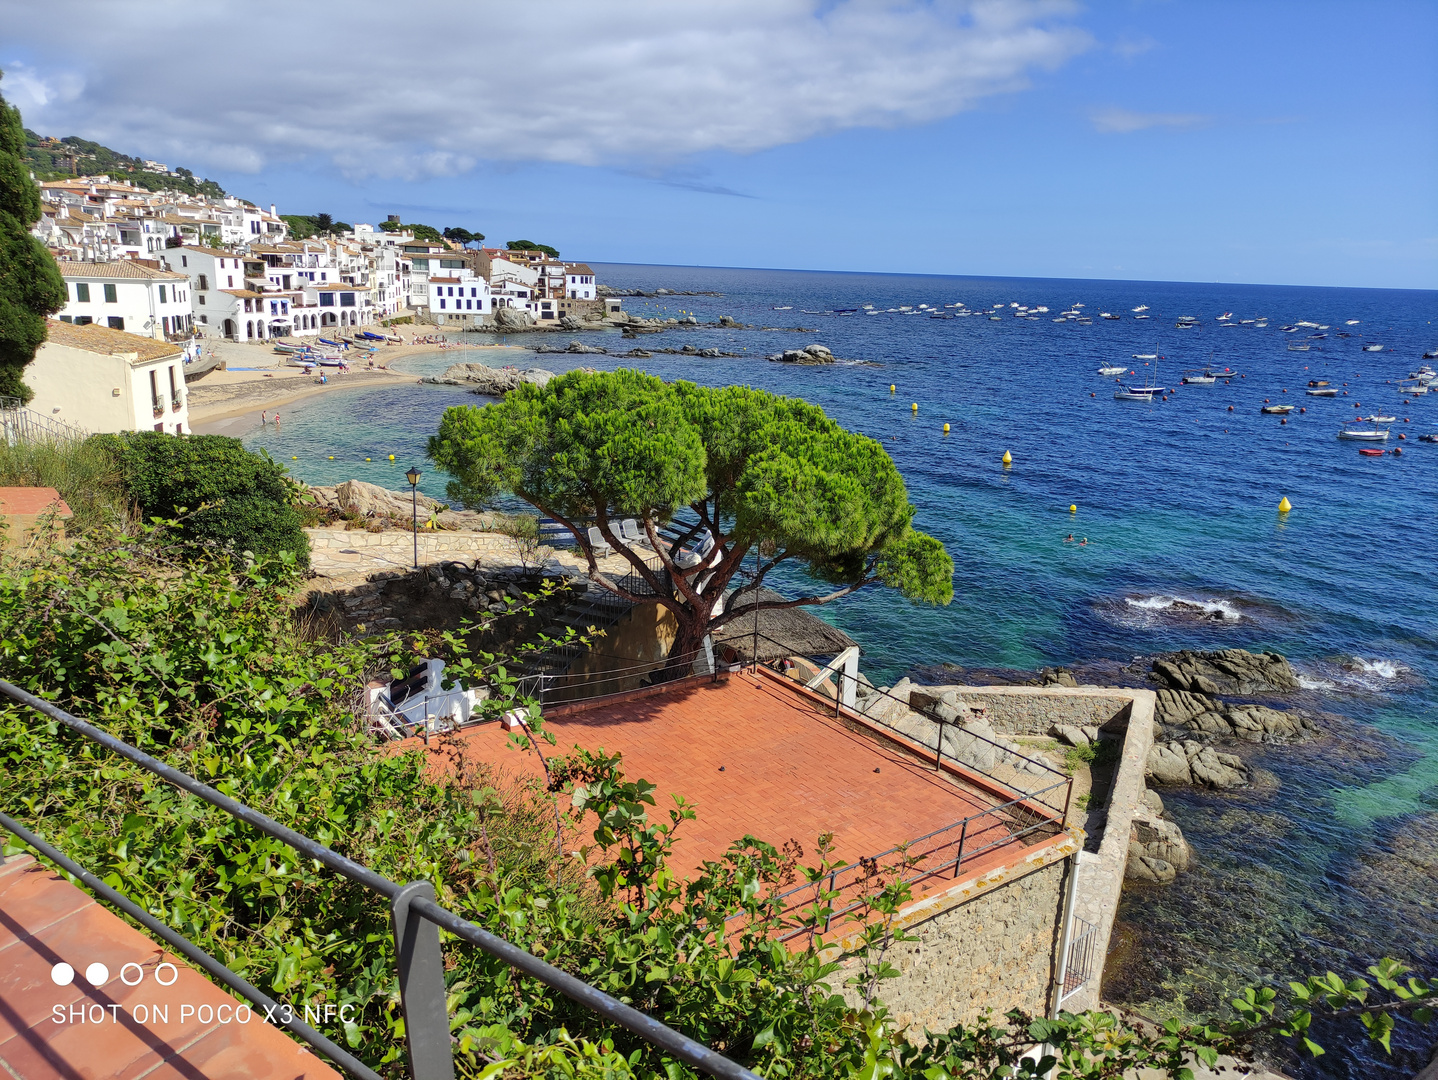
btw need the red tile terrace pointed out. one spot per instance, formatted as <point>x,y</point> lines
<point>754,753</point>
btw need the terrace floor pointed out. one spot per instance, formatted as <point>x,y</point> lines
<point>754,754</point>
<point>130,1026</point>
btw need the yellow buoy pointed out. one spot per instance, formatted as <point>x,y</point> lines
<point>891,388</point>
<point>391,457</point>
<point>1073,508</point>
<point>366,459</point>
<point>332,457</point>
<point>946,429</point>
<point>293,458</point>
<point>1008,458</point>
<point>1284,505</point>
<point>915,406</point>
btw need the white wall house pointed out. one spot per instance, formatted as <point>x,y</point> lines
<point>513,285</point>
<point>100,379</point>
<point>210,272</point>
<point>127,295</point>
<point>459,296</point>
<point>578,282</point>
<point>340,305</point>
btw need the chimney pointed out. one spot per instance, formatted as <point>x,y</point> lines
<point>273,211</point>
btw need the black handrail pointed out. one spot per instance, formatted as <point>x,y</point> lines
<point>417,953</point>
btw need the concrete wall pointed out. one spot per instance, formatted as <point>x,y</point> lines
<point>330,548</point>
<point>642,636</point>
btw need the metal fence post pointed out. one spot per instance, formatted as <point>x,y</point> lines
<point>963,835</point>
<point>421,986</point>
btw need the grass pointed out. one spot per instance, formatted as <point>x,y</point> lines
<point>83,474</point>
<point>1103,752</point>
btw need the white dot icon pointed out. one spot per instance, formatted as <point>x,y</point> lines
<point>62,974</point>
<point>97,974</point>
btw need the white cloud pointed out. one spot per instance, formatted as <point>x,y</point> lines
<point>1125,121</point>
<point>432,87</point>
<point>1129,46</point>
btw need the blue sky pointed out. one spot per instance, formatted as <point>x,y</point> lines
<point>1292,143</point>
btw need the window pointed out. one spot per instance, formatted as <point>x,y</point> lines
<point>451,264</point>
<point>83,320</point>
<point>327,299</point>
<point>165,323</point>
<point>162,295</point>
<point>469,304</point>
<point>421,264</point>
<point>116,323</point>
<point>232,280</point>
<point>66,318</point>
<point>441,303</point>
<point>184,260</point>
<point>204,283</point>
<point>205,318</point>
<point>202,300</point>
<point>82,293</point>
<point>347,299</point>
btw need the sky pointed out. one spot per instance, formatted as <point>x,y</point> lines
<point>1264,142</point>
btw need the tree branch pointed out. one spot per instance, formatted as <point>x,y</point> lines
<point>775,605</point>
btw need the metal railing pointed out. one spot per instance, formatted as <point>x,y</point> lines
<point>19,424</point>
<point>1080,964</point>
<point>416,919</point>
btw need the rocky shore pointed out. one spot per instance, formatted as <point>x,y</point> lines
<point>488,381</point>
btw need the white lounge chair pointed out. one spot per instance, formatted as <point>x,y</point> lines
<point>598,543</point>
<point>631,533</point>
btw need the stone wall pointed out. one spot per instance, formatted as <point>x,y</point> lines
<point>1033,710</point>
<point>997,951</point>
<point>342,550</point>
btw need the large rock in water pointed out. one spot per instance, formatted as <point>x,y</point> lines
<point>1189,762</point>
<point>809,354</point>
<point>1201,715</point>
<point>487,380</point>
<point>508,318</point>
<point>1228,671</point>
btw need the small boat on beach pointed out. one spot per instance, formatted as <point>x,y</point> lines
<point>1277,410</point>
<point>1363,431</point>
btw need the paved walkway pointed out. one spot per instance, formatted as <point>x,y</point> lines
<point>131,1025</point>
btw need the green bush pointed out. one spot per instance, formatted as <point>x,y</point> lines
<point>224,495</point>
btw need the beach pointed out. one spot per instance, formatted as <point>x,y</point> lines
<point>257,379</point>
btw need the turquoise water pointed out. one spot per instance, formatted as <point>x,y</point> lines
<point>1186,549</point>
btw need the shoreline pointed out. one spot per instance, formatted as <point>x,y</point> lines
<point>230,402</point>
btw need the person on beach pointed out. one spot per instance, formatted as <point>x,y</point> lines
<point>264,419</point>
<point>277,428</point>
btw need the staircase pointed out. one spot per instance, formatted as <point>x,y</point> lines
<point>19,424</point>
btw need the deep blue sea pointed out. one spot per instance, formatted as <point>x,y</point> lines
<point>1330,861</point>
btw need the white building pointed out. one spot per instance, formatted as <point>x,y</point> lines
<point>211,272</point>
<point>127,295</point>
<point>340,304</point>
<point>100,379</point>
<point>512,284</point>
<point>459,296</point>
<point>578,282</point>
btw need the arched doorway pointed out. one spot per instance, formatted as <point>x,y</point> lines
<point>229,328</point>
<point>250,330</point>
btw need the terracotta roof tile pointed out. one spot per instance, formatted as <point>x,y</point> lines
<point>106,342</point>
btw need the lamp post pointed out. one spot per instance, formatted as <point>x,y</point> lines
<point>413,477</point>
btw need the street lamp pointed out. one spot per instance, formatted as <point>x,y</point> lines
<point>413,477</point>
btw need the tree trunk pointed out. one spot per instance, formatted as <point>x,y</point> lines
<point>693,628</point>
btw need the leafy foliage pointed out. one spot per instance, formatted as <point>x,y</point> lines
<point>756,469</point>
<point>463,236</point>
<point>421,232</point>
<point>530,245</point>
<point>228,496</point>
<point>84,474</point>
<point>202,664</point>
<point>30,283</point>
<point>306,226</point>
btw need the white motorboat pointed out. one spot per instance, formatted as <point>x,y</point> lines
<point>1141,307</point>
<point>1379,419</point>
<point>1294,347</point>
<point>1112,370</point>
<point>1322,391</point>
<point>1145,356</point>
<point>1351,322</point>
<point>1363,431</point>
<point>1373,348</point>
<point>1138,393</point>
<point>1199,380</point>
<point>1143,316</point>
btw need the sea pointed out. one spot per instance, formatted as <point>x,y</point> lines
<point>1330,860</point>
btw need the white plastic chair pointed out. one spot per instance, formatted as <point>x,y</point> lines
<point>598,543</point>
<point>631,533</point>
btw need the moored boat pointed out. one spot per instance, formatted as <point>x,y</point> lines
<point>1113,370</point>
<point>1277,410</point>
<point>1370,451</point>
<point>1363,431</point>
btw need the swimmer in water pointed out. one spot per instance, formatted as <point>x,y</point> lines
<point>1084,540</point>
<point>1069,539</point>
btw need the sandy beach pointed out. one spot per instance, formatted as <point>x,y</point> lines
<point>257,379</point>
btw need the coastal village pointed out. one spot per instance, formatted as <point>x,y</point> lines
<point>182,275</point>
